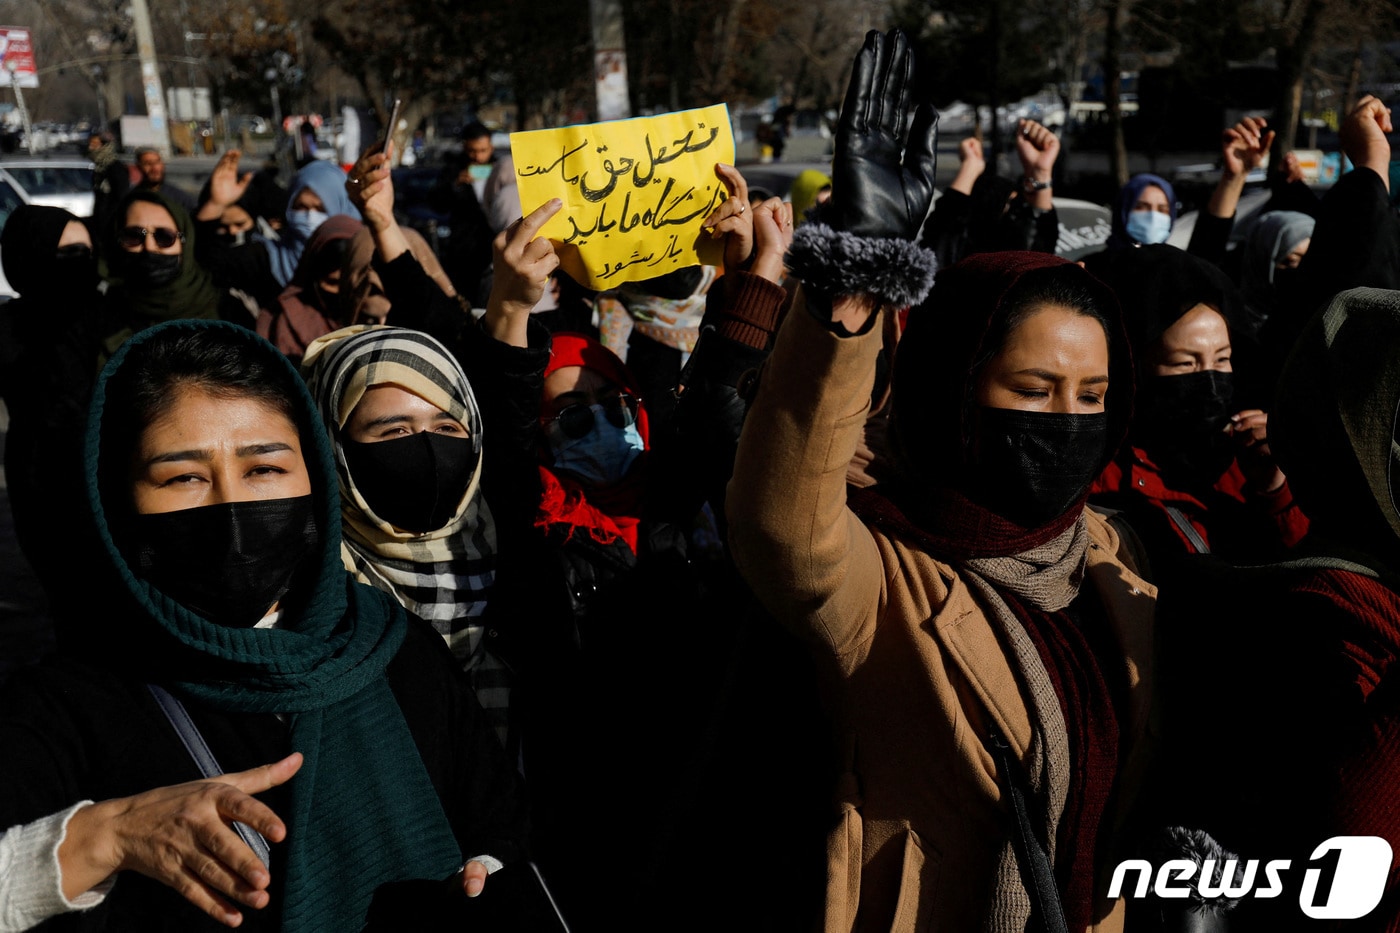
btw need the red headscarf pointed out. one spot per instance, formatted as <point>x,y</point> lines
<point>607,513</point>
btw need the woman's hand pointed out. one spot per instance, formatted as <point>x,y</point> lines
<point>772,230</point>
<point>971,164</point>
<point>882,176</point>
<point>1250,431</point>
<point>1244,146</point>
<point>732,221</point>
<point>225,186</point>
<point>522,264</point>
<point>1363,136</point>
<point>182,837</point>
<point>473,878</point>
<point>370,187</point>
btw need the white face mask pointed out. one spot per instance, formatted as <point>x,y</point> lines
<point>306,222</point>
<point>1149,227</point>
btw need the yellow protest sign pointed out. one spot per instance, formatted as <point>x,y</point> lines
<point>635,192</point>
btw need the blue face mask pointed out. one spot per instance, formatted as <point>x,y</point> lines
<point>306,222</point>
<point>599,458</point>
<point>1149,227</point>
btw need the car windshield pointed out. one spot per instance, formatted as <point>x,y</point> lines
<point>39,180</point>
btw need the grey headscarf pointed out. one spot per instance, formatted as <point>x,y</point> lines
<point>1276,235</point>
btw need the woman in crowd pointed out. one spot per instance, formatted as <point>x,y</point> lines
<point>983,212</point>
<point>1303,650</point>
<point>407,435</point>
<point>1196,475</point>
<point>317,193</point>
<point>594,502</point>
<point>46,374</point>
<point>1143,214</point>
<point>151,258</point>
<point>229,621</point>
<point>982,637</point>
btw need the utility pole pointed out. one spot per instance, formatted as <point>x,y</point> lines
<point>610,60</point>
<point>150,77</point>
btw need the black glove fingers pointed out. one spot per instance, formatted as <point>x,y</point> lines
<point>865,69</point>
<point>920,158</point>
<point>902,90</point>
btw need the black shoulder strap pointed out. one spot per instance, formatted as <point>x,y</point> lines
<point>1036,872</point>
<point>208,765</point>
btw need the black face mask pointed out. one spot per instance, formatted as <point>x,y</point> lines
<point>1031,466</point>
<point>153,270</point>
<point>228,562</point>
<point>415,482</point>
<point>1181,425</point>
<point>75,272</point>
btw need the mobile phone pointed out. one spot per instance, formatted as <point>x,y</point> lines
<point>388,132</point>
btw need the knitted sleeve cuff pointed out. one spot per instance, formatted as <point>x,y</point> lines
<point>750,314</point>
<point>898,273</point>
<point>31,880</point>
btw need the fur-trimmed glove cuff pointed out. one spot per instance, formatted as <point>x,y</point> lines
<point>897,272</point>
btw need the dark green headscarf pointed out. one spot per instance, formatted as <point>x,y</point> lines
<point>192,295</point>
<point>1333,424</point>
<point>363,809</point>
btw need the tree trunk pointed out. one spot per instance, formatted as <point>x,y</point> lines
<point>993,80</point>
<point>1113,90</point>
<point>1349,97</point>
<point>1292,66</point>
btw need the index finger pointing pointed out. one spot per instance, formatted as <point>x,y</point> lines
<point>256,780</point>
<point>529,226</point>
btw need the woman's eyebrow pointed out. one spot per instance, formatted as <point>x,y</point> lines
<point>174,456</point>
<point>257,450</point>
<point>386,419</point>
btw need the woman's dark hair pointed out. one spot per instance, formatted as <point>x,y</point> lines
<point>219,361</point>
<point>1053,286</point>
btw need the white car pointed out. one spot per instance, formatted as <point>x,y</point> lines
<point>65,183</point>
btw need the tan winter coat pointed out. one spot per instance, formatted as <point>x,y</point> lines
<point>914,668</point>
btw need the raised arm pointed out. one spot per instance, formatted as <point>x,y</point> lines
<point>807,556</point>
<point>1243,148</point>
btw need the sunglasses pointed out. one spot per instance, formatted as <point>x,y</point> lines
<point>135,237</point>
<point>577,420</point>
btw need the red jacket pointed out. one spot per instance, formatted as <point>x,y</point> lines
<point>1231,518</point>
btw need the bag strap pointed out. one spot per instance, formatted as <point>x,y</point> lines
<point>1183,524</point>
<point>1036,872</point>
<point>204,759</point>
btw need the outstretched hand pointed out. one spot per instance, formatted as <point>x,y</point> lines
<point>182,836</point>
<point>225,186</point>
<point>882,176</point>
<point>1244,146</point>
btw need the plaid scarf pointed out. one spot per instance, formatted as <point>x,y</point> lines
<point>444,576</point>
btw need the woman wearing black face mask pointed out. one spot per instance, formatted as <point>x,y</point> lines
<point>1197,473</point>
<point>407,435</point>
<point>46,375</point>
<point>213,490</point>
<point>981,633</point>
<point>150,257</point>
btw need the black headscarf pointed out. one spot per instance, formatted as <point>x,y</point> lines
<point>29,246</point>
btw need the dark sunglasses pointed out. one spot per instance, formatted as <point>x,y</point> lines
<point>577,420</point>
<point>135,237</point>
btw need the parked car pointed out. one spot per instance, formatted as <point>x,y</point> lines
<point>64,182</point>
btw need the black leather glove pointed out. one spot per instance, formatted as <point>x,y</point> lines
<point>882,178</point>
